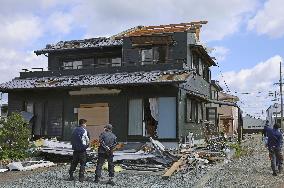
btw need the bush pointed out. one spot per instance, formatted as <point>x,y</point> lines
<point>14,137</point>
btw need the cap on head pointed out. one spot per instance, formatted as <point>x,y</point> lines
<point>108,126</point>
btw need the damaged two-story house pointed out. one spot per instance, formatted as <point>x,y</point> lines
<point>148,81</point>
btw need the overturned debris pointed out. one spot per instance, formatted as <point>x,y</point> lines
<point>29,165</point>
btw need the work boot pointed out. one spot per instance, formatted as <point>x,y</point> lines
<point>274,174</point>
<point>97,180</point>
<point>81,179</point>
<point>280,169</point>
<point>111,182</point>
<point>71,177</point>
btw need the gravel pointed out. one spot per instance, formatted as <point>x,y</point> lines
<point>252,170</point>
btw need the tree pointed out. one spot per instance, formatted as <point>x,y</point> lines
<point>14,137</point>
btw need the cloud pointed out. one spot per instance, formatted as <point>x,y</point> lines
<point>19,31</point>
<point>252,85</point>
<point>59,23</point>
<point>110,17</point>
<point>12,62</point>
<point>269,20</point>
<point>257,78</point>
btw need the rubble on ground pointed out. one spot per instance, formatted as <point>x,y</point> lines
<point>141,163</point>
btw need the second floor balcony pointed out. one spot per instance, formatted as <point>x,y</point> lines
<point>77,68</point>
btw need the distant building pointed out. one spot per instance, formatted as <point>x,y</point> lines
<point>273,113</point>
<point>252,124</point>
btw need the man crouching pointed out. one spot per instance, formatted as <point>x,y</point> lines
<point>105,151</point>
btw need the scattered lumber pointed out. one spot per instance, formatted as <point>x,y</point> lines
<point>175,167</point>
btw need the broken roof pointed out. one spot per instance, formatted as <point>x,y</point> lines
<point>157,77</point>
<point>162,29</point>
<point>79,44</point>
<point>116,40</point>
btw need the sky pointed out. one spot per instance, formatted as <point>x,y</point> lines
<point>247,36</point>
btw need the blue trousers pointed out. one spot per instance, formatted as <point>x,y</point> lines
<point>276,158</point>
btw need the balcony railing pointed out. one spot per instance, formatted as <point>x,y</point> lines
<point>105,68</point>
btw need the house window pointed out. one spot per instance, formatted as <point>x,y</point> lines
<point>206,73</point>
<point>195,62</point>
<point>147,56</point>
<point>116,62</point>
<point>194,109</point>
<point>135,117</point>
<point>214,95</point>
<point>72,65</point>
<point>154,55</point>
<point>104,61</point>
<point>200,67</point>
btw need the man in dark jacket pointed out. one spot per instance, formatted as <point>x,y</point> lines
<point>275,142</point>
<point>80,140</point>
<point>105,151</point>
<point>265,129</point>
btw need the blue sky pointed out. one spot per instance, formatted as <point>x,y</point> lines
<point>247,35</point>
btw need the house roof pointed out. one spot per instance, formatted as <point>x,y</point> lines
<point>227,97</point>
<point>79,44</point>
<point>158,77</point>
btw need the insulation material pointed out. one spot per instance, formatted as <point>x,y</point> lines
<point>29,165</point>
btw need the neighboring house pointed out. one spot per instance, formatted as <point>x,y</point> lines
<point>150,81</point>
<point>229,114</point>
<point>252,124</point>
<point>273,114</point>
<point>212,115</point>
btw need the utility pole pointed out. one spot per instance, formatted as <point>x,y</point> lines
<point>281,107</point>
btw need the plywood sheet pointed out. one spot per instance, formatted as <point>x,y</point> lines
<point>95,116</point>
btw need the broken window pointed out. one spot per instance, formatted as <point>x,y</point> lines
<point>152,117</point>
<point>154,55</point>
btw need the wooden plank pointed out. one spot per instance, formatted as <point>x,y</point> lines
<point>175,167</point>
<point>94,105</point>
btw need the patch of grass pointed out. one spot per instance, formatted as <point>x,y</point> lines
<point>240,151</point>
